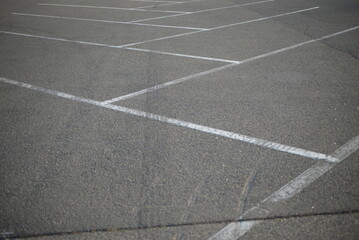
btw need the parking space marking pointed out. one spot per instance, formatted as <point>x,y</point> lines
<point>207,10</point>
<point>61,39</point>
<point>167,84</point>
<point>235,230</point>
<point>224,26</point>
<point>169,3</point>
<point>116,46</point>
<point>153,1</point>
<point>113,8</point>
<point>222,133</point>
<point>182,55</point>
<point>157,39</point>
<point>264,18</point>
<point>275,200</point>
<point>170,83</point>
<point>106,21</point>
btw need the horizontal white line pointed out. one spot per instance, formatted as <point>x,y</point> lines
<point>230,25</point>
<point>159,5</point>
<point>176,122</point>
<point>152,40</point>
<point>149,1</point>
<point>264,18</point>
<point>233,6</point>
<point>113,8</point>
<point>118,47</point>
<point>62,39</point>
<point>188,77</point>
<point>201,11</point>
<point>106,21</point>
<point>167,84</point>
<point>234,231</point>
<point>169,3</point>
<point>182,55</point>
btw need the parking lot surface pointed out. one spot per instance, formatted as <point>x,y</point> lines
<point>183,119</point>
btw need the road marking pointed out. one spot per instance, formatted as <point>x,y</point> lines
<point>298,45</point>
<point>160,86</point>
<point>182,55</point>
<point>113,8</point>
<point>169,3</point>
<point>201,11</point>
<point>118,47</point>
<point>184,124</point>
<point>62,39</point>
<point>146,41</point>
<point>264,18</point>
<point>159,5</point>
<point>152,1</point>
<point>107,21</point>
<point>230,25</point>
<point>235,230</point>
<point>167,84</point>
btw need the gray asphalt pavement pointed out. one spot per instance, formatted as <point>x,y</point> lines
<point>186,119</point>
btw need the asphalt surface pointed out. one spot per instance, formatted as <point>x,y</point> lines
<point>216,119</point>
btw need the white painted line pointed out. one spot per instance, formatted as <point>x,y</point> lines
<point>118,47</point>
<point>106,21</point>
<point>149,1</point>
<point>176,122</point>
<point>264,18</point>
<point>163,38</point>
<point>297,45</point>
<point>167,26</point>
<point>182,55</point>
<point>230,25</point>
<point>62,40</point>
<point>148,41</point>
<point>113,8</point>
<point>232,6</point>
<point>160,5</point>
<point>167,84</point>
<point>169,3</point>
<point>235,230</point>
<point>201,11</point>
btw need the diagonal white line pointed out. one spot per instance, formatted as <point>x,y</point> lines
<point>62,39</point>
<point>147,41</point>
<point>182,55</point>
<point>188,77</point>
<point>229,25</point>
<point>113,8</point>
<point>106,21</point>
<point>235,230</point>
<point>167,84</point>
<point>117,46</point>
<point>159,5</point>
<point>184,124</point>
<point>264,18</point>
<point>169,3</point>
<point>201,11</point>
<point>149,1</point>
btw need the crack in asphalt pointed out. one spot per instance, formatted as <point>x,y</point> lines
<point>348,52</point>
<point>160,226</point>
